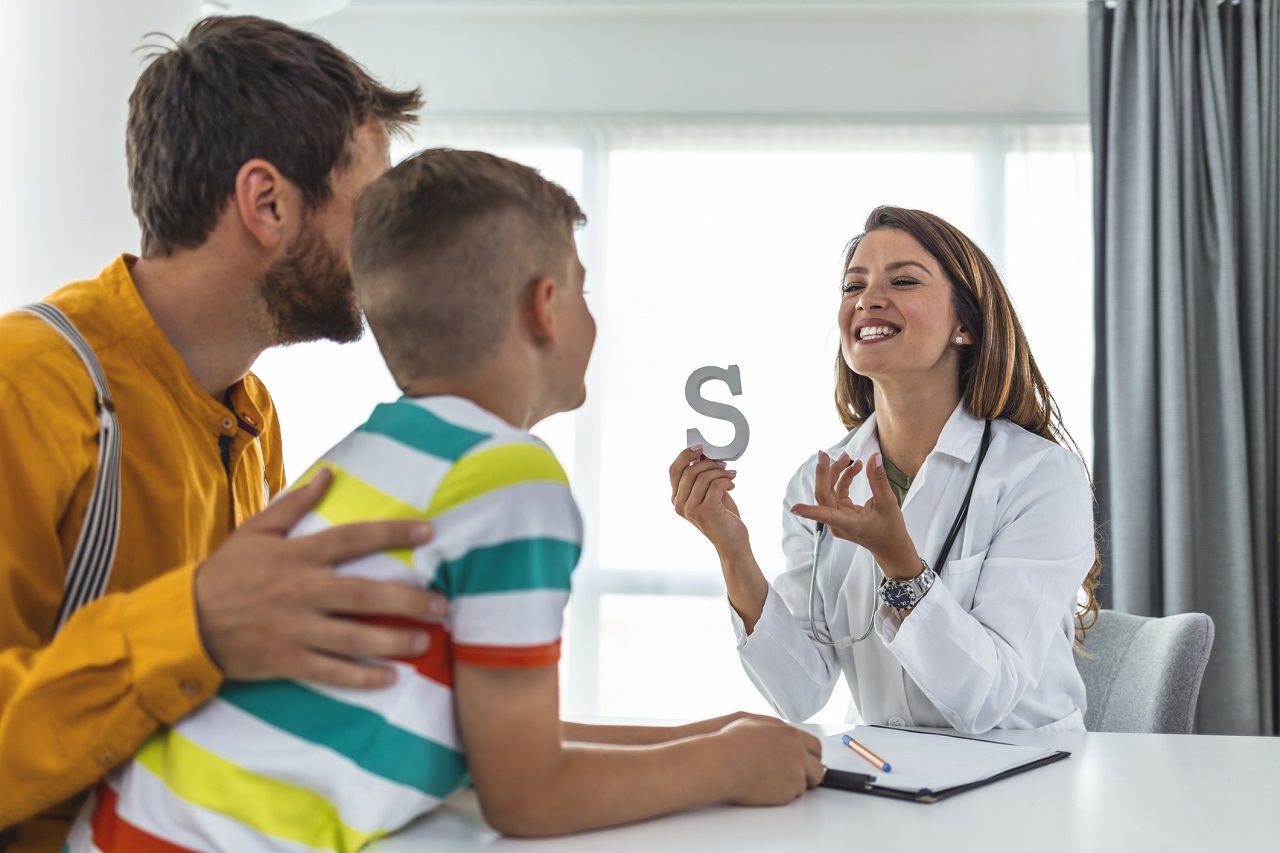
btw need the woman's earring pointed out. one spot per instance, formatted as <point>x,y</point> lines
<point>959,339</point>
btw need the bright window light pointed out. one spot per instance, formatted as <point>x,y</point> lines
<point>722,245</point>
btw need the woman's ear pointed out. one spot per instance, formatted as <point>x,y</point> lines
<point>267,203</point>
<point>540,308</point>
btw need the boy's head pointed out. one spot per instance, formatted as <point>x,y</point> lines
<point>453,252</point>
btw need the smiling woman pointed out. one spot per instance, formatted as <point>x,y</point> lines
<point>934,377</point>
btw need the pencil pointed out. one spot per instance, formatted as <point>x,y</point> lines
<point>866,753</point>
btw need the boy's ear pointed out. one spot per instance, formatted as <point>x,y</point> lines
<point>541,309</point>
<point>266,203</point>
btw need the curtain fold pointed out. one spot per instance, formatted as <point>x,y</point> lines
<point>1187,301</point>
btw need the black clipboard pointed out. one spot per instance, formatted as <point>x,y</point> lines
<point>865,783</point>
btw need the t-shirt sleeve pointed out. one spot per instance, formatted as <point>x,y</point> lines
<point>509,582</point>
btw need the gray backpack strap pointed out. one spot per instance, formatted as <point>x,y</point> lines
<point>95,551</point>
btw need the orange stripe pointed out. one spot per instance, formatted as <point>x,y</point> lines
<point>435,662</point>
<point>112,832</point>
<point>509,656</point>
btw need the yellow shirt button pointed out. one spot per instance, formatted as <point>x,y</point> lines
<point>190,688</point>
<point>227,423</point>
<point>107,758</point>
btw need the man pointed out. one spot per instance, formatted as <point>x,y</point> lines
<point>247,145</point>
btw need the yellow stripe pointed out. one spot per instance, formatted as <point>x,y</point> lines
<point>351,499</point>
<point>267,805</point>
<point>496,468</point>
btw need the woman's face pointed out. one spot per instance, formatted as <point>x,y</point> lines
<point>897,321</point>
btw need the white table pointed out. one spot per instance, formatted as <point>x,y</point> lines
<point>1117,792</point>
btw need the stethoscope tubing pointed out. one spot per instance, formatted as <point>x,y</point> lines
<point>846,642</point>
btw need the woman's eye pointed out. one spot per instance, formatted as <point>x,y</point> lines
<point>851,287</point>
<point>905,281</point>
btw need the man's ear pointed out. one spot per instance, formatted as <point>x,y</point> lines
<point>540,307</point>
<point>267,203</point>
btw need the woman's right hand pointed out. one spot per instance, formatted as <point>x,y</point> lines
<point>700,494</point>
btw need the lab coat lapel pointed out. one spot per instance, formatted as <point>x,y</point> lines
<point>928,512</point>
<point>938,488</point>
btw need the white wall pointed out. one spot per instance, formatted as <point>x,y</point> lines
<point>869,60</point>
<point>66,70</point>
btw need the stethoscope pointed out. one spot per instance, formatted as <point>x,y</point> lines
<point>846,642</point>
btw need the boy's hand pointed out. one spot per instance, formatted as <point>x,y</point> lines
<point>271,607</point>
<point>771,763</point>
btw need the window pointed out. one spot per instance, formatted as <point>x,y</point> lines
<point>722,245</point>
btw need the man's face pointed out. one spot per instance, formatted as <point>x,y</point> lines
<point>308,292</point>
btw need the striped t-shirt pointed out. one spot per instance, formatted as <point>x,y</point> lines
<point>292,766</point>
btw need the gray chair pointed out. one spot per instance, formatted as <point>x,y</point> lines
<point>1142,673</point>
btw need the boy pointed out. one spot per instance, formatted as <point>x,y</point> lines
<point>466,267</point>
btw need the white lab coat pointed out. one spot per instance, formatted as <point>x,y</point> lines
<point>990,646</point>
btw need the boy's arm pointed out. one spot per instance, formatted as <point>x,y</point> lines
<point>532,783</point>
<point>646,735</point>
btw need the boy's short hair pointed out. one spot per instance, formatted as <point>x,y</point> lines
<point>235,88</point>
<point>441,247</point>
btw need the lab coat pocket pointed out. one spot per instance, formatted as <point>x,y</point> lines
<point>961,577</point>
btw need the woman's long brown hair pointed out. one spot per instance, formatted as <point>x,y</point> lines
<point>998,375</point>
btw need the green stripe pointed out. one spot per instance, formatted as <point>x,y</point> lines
<point>414,426</point>
<point>523,564</point>
<point>358,733</point>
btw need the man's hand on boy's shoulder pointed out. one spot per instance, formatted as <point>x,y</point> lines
<point>272,607</point>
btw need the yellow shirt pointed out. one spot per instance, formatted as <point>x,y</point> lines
<point>192,468</point>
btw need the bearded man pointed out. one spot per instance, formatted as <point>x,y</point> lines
<point>247,144</point>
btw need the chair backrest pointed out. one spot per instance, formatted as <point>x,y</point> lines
<point>1142,673</point>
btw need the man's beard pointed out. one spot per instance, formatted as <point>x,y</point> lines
<point>308,293</point>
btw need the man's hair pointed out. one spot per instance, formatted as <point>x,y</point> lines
<point>442,247</point>
<point>236,88</point>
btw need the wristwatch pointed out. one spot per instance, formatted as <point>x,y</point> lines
<point>905,594</point>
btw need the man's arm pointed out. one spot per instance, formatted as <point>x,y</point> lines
<point>532,783</point>
<point>264,607</point>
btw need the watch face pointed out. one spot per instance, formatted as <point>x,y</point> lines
<point>898,596</point>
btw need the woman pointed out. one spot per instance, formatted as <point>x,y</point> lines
<point>952,426</point>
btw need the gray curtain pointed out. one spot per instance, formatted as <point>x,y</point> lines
<point>1186,122</point>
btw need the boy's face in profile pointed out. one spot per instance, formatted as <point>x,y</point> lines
<point>579,335</point>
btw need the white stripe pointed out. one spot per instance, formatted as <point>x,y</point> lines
<point>413,703</point>
<point>408,475</point>
<point>523,511</point>
<point>147,803</point>
<point>466,414</point>
<point>80,838</point>
<point>367,802</point>
<point>513,437</point>
<point>312,522</point>
<point>531,618</point>
<point>381,566</point>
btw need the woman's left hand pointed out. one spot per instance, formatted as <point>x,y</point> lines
<point>877,525</point>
